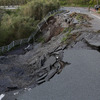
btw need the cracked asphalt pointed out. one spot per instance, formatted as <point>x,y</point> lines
<point>78,81</point>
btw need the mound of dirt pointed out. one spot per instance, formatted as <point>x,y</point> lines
<point>80,16</point>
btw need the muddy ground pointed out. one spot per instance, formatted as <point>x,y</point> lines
<point>64,31</point>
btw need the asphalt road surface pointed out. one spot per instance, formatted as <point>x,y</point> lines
<point>78,81</point>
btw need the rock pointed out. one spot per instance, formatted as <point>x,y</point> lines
<point>42,77</point>
<point>40,62</point>
<point>56,53</point>
<point>75,21</point>
<point>66,18</point>
<point>37,46</point>
<point>60,55</point>
<point>57,65</point>
<point>93,40</point>
<point>93,43</point>
<point>69,20</point>
<point>41,73</point>
<point>40,82</point>
<point>42,59</point>
<point>58,48</point>
<point>51,74</point>
<point>50,61</point>
<point>65,15</point>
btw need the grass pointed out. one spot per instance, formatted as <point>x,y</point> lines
<point>98,12</point>
<point>78,17</point>
<point>74,5</point>
<point>68,33</point>
<point>66,37</point>
<point>41,39</point>
<point>65,30</point>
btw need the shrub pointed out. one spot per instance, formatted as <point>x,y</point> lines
<point>38,9</point>
<point>21,23</point>
<point>16,27</point>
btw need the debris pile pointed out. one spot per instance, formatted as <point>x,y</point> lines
<point>56,24</point>
<point>45,60</point>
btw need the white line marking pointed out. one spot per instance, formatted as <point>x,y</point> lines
<point>1,96</point>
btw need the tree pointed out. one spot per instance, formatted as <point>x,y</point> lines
<point>97,2</point>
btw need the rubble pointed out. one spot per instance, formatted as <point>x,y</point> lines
<point>45,60</point>
<point>93,39</point>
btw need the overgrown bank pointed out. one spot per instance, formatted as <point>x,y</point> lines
<point>16,24</point>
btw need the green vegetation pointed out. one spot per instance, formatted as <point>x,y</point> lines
<point>13,2</point>
<point>67,30</point>
<point>79,17</point>
<point>41,39</point>
<point>20,23</point>
<point>98,12</point>
<point>15,27</point>
<point>81,3</point>
<point>21,2</point>
<point>38,9</point>
<point>66,37</point>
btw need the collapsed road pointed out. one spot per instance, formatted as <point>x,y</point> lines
<point>79,80</point>
<point>71,49</point>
